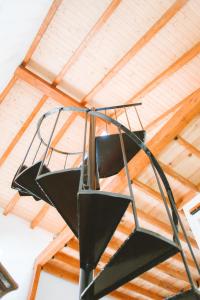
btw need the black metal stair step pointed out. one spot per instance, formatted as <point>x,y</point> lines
<point>142,251</point>
<point>99,214</point>
<point>21,191</point>
<point>186,295</point>
<point>27,181</point>
<point>109,154</point>
<point>61,188</point>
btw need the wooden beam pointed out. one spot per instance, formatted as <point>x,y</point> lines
<point>41,214</point>
<point>166,17</point>
<point>22,130</point>
<point>168,170</point>
<point>179,63</point>
<point>8,88</point>
<point>188,146</point>
<point>34,283</point>
<point>183,201</point>
<point>11,204</point>
<point>43,28</point>
<point>56,245</point>
<point>166,134</point>
<point>95,29</point>
<point>45,87</point>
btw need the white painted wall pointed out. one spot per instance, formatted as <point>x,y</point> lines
<point>193,220</point>
<point>19,246</point>
<point>19,23</point>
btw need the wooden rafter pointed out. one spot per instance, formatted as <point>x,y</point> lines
<point>45,87</point>
<point>41,214</point>
<point>34,283</point>
<point>95,29</point>
<point>169,170</point>
<point>11,204</point>
<point>188,146</point>
<point>8,88</point>
<point>168,15</point>
<point>43,28</point>
<point>180,204</point>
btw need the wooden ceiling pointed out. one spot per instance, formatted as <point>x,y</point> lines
<point>98,53</point>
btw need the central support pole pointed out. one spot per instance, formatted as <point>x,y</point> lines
<point>86,275</point>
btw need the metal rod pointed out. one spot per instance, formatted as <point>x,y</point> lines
<point>127,119</point>
<point>106,123</point>
<point>49,142</point>
<point>37,152</point>
<point>50,157</point>
<point>81,183</point>
<point>27,152</point>
<point>65,161</point>
<point>118,106</point>
<point>138,116</point>
<point>128,178</point>
<point>92,174</point>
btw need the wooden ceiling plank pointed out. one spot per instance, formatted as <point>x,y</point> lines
<point>8,88</point>
<point>169,170</point>
<point>152,124</point>
<point>34,283</point>
<point>166,17</point>
<point>11,204</point>
<point>42,30</point>
<point>178,64</point>
<point>22,130</point>
<point>188,146</point>
<point>41,214</point>
<point>95,29</point>
<point>160,140</point>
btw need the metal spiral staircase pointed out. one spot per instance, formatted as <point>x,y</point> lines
<point>94,214</point>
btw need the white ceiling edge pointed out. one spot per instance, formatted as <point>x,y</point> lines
<point>20,21</point>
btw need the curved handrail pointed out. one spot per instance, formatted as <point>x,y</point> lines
<point>51,112</point>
